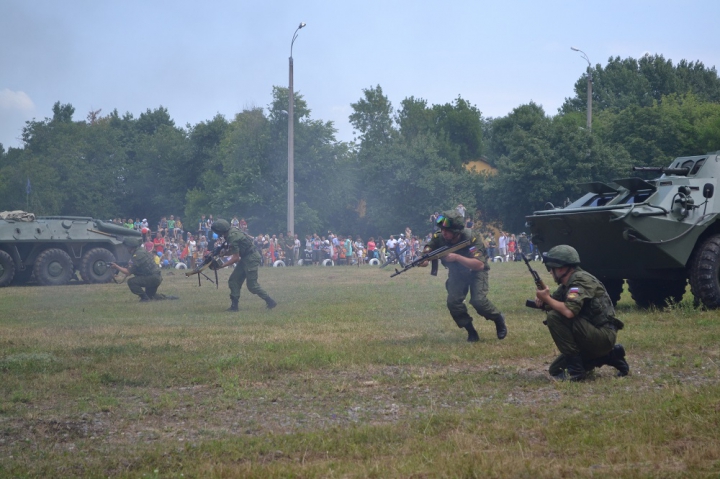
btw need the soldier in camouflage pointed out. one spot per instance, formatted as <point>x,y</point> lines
<point>240,247</point>
<point>467,271</point>
<point>524,244</point>
<point>581,319</point>
<point>288,246</point>
<point>146,273</point>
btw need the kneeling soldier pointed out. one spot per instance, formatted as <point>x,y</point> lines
<point>580,317</point>
<point>147,276</point>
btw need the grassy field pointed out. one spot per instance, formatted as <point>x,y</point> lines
<point>353,374</point>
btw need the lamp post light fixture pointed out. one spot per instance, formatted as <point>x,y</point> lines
<point>589,87</point>
<point>291,145</point>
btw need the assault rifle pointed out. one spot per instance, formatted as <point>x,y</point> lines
<point>434,256</point>
<point>539,283</point>
<point>212,260</point>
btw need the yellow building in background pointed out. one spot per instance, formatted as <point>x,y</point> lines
<point>480,166</point>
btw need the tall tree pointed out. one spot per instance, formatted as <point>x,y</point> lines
<point>639,82</point>
<point>372,118</point>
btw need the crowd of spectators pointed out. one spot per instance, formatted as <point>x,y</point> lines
<point>173,244</point>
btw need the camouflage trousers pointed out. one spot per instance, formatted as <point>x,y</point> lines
<point>578,336</point>
<point>247,269</point>
<point>146,285</point>
<point>458,284</point>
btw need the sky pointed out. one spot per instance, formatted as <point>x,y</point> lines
<point>200,59</point>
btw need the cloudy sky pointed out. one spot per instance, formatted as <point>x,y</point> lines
<point>202,58</point>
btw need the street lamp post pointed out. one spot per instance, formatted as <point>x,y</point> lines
<point>589,87</point>
<point>291,146</point>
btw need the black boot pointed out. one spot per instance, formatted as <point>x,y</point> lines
<point>500,327</point>
<point>575,370</point>
<point>144,297</point>
<point>473,336</point>
<point>233,304</point>
<point>616,359</point>
<point>270,303</point>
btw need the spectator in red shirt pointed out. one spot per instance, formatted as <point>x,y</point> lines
<point>371,248</point>
<point>159,242</point>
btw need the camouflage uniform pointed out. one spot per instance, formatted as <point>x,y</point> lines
<point>524,244</point>
<point>288,246</point>
<point>592,332</point>
<point>247,268</point>
<point>147,276</point>
<point>461,280</point>
<point>587,340</point>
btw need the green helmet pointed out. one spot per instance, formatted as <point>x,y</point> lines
<point>220,226</point>
<point>451,220</point>
<point>561,255</point>
<point>132,241</point>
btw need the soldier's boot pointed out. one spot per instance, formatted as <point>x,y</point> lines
<point>616,359</point>
<point>590,364</point>
<point>233,304</point>
<point>500,327</point>
<point>270,303</point>
<point>144,297</point>
<point>473,336</point>
<point>575,370</point>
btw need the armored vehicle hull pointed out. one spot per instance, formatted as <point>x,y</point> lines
<point>656,234</point>
<point>53,249</point>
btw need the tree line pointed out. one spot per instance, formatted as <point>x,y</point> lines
<point>404,164</point>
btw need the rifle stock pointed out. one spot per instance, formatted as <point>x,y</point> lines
<point>433,256</point>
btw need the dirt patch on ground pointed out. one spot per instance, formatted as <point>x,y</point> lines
<point>307,402</point>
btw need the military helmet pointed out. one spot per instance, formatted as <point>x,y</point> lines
<point>561,255</point>
<point>451,220</point>
<point>132,241</point>
<point>220,226</point>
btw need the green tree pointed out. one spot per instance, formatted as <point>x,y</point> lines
<point>544,160</point>
<point>678,125</point>
<point>372,118</point>
<point>629,82</point>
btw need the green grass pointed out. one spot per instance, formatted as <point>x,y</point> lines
<point>353,374</point>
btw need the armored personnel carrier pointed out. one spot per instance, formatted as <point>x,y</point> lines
<point>51,249</point>
<point>657,234</point>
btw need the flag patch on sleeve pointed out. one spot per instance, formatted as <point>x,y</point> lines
<point>573,293</point>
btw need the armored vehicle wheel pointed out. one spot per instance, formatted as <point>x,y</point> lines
<point>7,268</point>
<point>94,266</point>
<point>53,267</point>
<point>656,292</point>
<point>705,273</point>
<point>614,288</point>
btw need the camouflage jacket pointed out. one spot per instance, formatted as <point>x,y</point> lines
<point>476,249</point>
<point>143,263</point>
<point>586,297</point>
<point>239,243</point>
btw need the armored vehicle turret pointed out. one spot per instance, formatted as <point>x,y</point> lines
<point>657,233</point>
<point>51,249</point>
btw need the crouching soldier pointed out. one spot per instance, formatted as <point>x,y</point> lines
<point>146,274</point>
<point>580,317</point>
